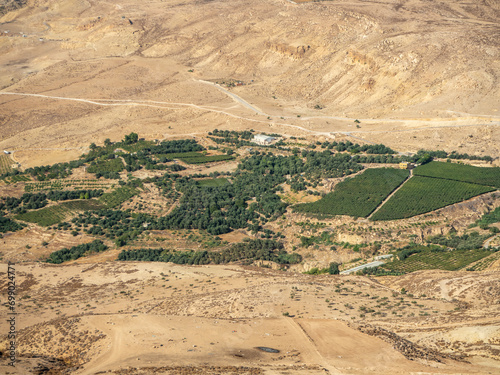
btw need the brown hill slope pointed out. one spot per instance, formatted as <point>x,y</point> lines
<point>384,59</point>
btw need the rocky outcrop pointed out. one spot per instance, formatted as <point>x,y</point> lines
<point>294,52</point>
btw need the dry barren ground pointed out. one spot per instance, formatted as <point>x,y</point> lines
<point>154,317</point>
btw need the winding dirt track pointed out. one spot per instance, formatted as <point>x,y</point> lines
<point>173,106</point>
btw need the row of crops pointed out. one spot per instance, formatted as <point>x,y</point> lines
<point>424,192</point>
<point>5,163</point>
<point>358,196</point>
<point>197,157</point>
<point>213,182</point>
<point>61,184</point>
<point>460,172</point>
<point>48,216</point>
<point>57,213</point>
<point>16,178</point>
<point>450,260</point>
<point>118,196</point>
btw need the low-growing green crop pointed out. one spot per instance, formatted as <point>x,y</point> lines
<point>358,196</point>
<point>489,176</point>
<point>425,194</point>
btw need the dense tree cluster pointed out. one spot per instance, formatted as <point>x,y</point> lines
<point>49,172</point>
<point>76,252</point>
<point>122,226</point>
<point>235,138</point>
<point>251,250</point>
<point>467,241</point>
<point>33,201</point>
<point>356,148</point>
<point>251,199</point>
<point>9,225</point>
<point>453,155</point>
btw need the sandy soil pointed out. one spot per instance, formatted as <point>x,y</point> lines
<point>154,315</point>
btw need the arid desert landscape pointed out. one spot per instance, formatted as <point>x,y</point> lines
<point>233,187</point>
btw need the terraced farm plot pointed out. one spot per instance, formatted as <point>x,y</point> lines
<point>31,187</point>
<point>195,157</point>
<point>182,155</point>
<point>5,163</point>
<point>48,216</point>
<point>420,195</point>
<point>117,197</point>
<point>358,196</point>
<point>485,262</point>
<point>443,260</point>
<point>206,159</point>
<point>213,182</point>
<point>17,178</point>
<point>459,172</point>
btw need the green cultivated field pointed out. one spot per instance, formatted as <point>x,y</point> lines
<point>195,157</point>
<point>451,171</point>
<point>450,260</point>
<point>48,216</point>
<point>358,196</point>
<point>5,163</point>
<point>425,194</point>
<point>182,155</point>
<point>17,178</point>
<point>206,159</point>
<point>117,197</point>
<point>62,184</point>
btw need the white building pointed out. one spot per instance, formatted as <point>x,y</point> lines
<point>262,139</point>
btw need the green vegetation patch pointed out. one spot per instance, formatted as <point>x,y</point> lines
<point>134,147</point>
<point>66,184</point>
<point>5,163</point>
<point>213,182</point>
<point>206,159</point>
<point>17,178</point>
<point>467,241</point>
<point>358,196</point>
<point>9,225</point>
<point>489,218</point>
<point>182,155</point>
<point>46,216</point>
<point>117,197</point>
<point>429,258</point>
<point>248,251</point>
<point>55,214</point>
<point>76,252</point>
<point>425,194</point>
<point>113,165</point>
<point>489,176</point>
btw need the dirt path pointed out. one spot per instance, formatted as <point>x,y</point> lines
<point>319,359</point>
<point>443,123</point>
<point>236,98</point>
<point>488,241</point>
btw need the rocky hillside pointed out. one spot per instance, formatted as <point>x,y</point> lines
<point>9,5</point>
